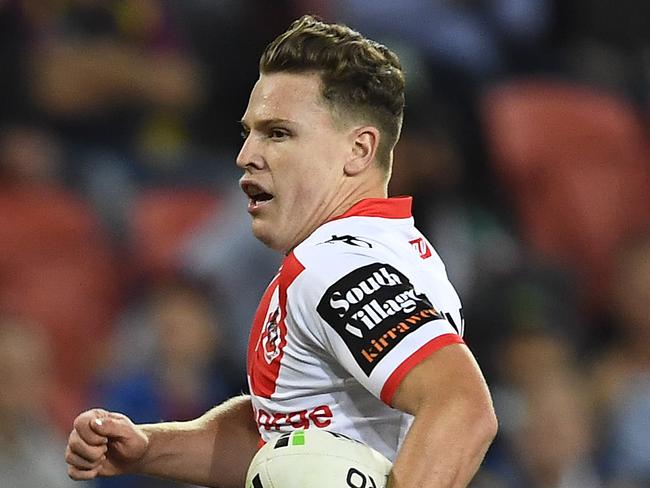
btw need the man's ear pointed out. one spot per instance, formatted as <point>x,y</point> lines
<point>364,148</point>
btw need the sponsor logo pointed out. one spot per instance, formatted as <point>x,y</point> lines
<point>421,247</point>
<point>320,417</point>
<point>350,240</point>
<point>373,308</point>
<point>391,337</point>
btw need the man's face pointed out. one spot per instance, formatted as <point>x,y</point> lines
<point>293,159</point>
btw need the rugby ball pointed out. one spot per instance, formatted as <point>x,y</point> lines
<point>315,458</point>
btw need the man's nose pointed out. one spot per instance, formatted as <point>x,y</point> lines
<point>249,154</point>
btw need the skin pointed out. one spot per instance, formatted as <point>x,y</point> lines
<point>315,167</point>
<point>213,450</point>
<point>454,421</point>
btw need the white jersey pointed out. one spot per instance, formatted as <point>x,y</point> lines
<point>352,310</point>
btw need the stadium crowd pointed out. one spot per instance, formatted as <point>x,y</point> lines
<point>129,275</point>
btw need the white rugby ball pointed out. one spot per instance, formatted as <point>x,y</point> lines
<point>315,458</point>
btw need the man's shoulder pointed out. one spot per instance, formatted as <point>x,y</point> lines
<point>339,249</point>
<point>357,233</point>
<point>324,260</point>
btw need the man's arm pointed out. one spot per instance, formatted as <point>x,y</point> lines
<point>454,421</point>
<point>213,450</point>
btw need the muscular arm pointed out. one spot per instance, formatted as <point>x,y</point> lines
<point>213,450</point>
<point>454,421</point>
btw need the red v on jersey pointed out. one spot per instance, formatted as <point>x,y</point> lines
<point>269,331</point>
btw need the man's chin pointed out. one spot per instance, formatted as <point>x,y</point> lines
<point>266,236</point>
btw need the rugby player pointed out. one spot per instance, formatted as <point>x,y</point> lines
<point>360,332</point>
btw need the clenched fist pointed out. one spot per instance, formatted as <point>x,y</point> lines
<point>104,444</point>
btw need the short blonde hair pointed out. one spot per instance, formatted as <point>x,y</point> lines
<point>361,79</point>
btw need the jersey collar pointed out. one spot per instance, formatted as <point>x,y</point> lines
<point>388,208</point>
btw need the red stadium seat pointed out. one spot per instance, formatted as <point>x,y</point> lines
<point>160,222</point>
<point>575,164</point>
<point>57,270</point>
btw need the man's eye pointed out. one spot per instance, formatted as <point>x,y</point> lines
<point>244,134</point>
<point>278,134</point>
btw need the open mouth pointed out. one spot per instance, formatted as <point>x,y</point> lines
<point>257,195</point>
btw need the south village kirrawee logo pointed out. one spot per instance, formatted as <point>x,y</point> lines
<point>373,308</point>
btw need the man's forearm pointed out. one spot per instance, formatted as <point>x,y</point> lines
<point>213,450</point>
<point>444,447</point>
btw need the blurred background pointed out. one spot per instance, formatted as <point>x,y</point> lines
<point>129,277</point>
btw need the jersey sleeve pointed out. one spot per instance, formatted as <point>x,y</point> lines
<point>377,319</point>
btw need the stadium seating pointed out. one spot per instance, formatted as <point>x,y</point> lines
<point>575,166</point>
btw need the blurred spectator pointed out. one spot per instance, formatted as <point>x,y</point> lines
<point>549,442</point>
<point>95,59</point>
<point>31,448</point>
<point>224,253</point>
<point>55,265</point>
<point>548,436</point>
<point>116,81</point>
<point>172,344</point>
<point>622,371</point>
<point>168,363</point>
<point>228,37</point>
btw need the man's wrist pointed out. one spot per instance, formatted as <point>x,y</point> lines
<point>148,434</point>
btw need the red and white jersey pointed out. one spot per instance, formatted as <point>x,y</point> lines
<point>353,308</point>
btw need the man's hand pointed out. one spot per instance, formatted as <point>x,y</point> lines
<point>212,450</point>
<point>103,444</point>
